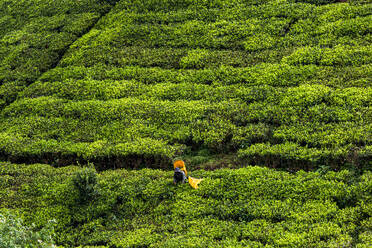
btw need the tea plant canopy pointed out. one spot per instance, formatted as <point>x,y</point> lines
<point>134,84</point>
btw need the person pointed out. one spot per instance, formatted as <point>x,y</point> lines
<point>179,176</point>
<point>180,172</point>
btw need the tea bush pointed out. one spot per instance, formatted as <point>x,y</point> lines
<point>34,36</point>
<point>250,206</point>
<point>135,83</point>
<point>85,182</point>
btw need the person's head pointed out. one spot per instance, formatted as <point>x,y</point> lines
<point>179,163</point>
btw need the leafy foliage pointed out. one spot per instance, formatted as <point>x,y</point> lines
<point>135,83</point>
<point>14,234</point>
<point>251,206</point>
<point>85,182</point>
<point>35,34</point>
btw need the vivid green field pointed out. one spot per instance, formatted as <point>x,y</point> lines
<point>248,207</point>
<point>129,84</point>
<point>133,84</point>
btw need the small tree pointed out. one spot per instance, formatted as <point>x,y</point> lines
<point>85,182</point>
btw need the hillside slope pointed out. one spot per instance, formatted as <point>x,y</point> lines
<point>249,207</point>
<point>35,34</point>
<point>279,83</point>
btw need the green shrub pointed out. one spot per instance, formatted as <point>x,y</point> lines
<point>15,234</point>
<point>136,83</point>
<point>340,55</point>
<point>251,206</point>
<point>42,31</point>
<point>85,182</point>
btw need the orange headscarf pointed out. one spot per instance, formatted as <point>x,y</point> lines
<point>180,164</point>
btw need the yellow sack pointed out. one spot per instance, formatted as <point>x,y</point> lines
<point>180,164</point>
<point>194,182</point>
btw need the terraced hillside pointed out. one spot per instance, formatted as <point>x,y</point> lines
<point>137,83</point>
<point>218,83</point>
<point>34,35</point>
<point>249,207</point>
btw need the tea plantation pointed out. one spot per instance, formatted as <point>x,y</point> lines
<point>285,84</point>
<point>248,207</point>
<point>221,84</point>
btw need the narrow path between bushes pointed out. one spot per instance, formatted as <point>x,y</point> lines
<point>18,87</point>
<point>63,52</point>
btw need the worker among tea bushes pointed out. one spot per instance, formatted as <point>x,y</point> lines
<point>180,172</point>
<point>180,175</point>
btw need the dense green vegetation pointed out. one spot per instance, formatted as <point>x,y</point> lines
<point>13,233</point>
<point>249,207</point>
<point>135,83</point>
<point>34,35</point>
